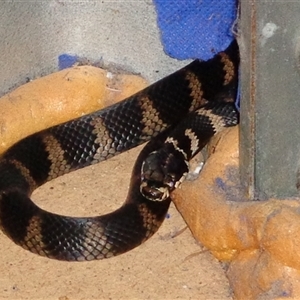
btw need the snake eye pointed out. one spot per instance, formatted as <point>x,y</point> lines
<point>170,181</point>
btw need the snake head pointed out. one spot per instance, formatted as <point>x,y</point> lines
<point>161,173</point>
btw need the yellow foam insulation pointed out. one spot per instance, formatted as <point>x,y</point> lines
<point>260,240</point>
<point>60,97</point>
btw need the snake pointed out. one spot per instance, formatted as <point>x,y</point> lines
<point>176,116</point>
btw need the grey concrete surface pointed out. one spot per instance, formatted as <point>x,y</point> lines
<point>34,33</point>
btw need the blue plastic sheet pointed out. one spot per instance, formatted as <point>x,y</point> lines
<point>193,29</point>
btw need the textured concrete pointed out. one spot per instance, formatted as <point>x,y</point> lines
<point>34,33</point>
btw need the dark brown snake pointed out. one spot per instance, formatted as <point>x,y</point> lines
<point>178,114</point>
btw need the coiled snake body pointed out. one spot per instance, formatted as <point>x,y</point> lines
<point>178,114</point>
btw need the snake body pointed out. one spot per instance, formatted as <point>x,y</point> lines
<point>178,114</point>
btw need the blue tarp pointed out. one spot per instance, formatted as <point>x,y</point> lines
<point>195,28</point>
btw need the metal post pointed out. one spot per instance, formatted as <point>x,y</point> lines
<point>270,104</point>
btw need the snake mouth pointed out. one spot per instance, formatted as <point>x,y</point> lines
<point>154,193</point>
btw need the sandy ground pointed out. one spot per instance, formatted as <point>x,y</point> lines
<point>169,266</point>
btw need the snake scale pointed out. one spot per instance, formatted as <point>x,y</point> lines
<point>177,115</point>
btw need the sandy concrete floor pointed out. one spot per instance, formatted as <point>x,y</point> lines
<point>168,266</point>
